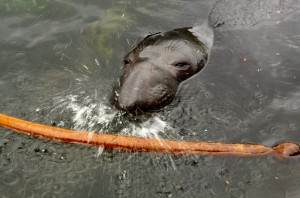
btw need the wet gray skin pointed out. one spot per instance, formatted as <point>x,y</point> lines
<point>155,67</point>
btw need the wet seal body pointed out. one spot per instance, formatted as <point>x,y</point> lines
<point>155,67</point>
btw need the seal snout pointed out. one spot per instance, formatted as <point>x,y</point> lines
<point>144,90</point>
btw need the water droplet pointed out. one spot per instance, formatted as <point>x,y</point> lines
<point>256,175</point>
<point>293,126</point>
<point>295,105</point>
<point>20,56</point>
<point>10,179</point>
<point>97,62</point>
<point>277,129</point>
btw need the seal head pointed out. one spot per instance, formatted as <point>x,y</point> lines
<point>155,67</point>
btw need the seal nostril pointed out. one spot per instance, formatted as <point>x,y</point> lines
<point>126,62</point>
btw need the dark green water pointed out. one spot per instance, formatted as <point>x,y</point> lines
<point>58,63</point>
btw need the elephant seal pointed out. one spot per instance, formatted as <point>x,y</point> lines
<point>155,67</point>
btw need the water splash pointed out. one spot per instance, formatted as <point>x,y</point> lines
<point>151,128</point>
<point>96,116</point>
<point>88,114</point>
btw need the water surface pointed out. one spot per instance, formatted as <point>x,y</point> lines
<point>60,59</point>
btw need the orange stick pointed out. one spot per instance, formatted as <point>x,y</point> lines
<point>144,144</point>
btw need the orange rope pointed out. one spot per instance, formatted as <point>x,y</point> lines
<point>143,144</point>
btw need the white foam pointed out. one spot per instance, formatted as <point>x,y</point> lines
<point>150,128</point>
<point>87,115</point>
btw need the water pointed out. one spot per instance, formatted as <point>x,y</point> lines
<point>59,61</point>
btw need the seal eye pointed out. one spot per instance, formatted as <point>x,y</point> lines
<point>182,64</point>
